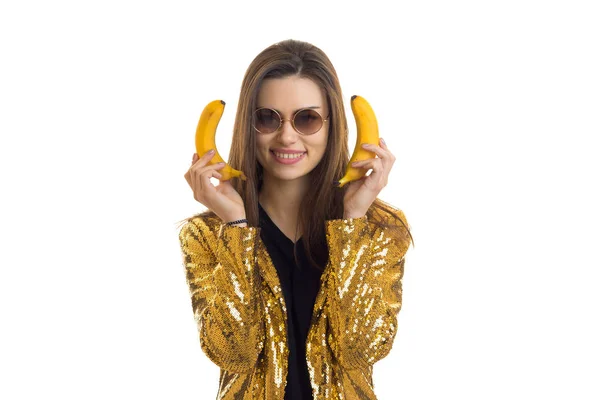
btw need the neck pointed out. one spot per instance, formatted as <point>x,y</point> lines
<point>281,199</point>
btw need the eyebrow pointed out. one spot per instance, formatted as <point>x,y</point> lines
<point>294,112</point>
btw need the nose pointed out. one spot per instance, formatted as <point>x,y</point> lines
<point>287,133</point>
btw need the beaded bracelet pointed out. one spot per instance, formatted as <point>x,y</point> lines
<point>239,221</point>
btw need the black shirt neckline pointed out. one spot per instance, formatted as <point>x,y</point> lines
<point>265,217</point>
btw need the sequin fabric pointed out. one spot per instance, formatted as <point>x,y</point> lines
<point>241,313</point>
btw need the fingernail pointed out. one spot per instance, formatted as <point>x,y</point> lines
<point>382,141</point>
<point>211,151</point>
<point>365,145</point>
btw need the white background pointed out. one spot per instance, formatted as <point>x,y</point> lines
<point>491,108</point>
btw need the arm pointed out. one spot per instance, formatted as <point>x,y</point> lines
<point>223,283</point>
<point>365,290</point>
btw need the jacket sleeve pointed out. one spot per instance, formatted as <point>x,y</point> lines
<point>223,281</point>
<point>365,288</point>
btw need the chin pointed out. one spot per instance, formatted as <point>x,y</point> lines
<point>289,176</point>
<point>278,173</point>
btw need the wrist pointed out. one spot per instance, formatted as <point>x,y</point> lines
<point>349,215</point>
<point>241,222</point>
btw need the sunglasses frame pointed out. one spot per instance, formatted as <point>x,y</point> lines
<point>282,120</point>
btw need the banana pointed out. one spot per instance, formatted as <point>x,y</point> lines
<point>205,138</point>
<point>367,132</point>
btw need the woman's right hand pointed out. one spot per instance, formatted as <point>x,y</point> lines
<point>223,199</point>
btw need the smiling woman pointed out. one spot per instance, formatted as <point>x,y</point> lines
<point>296,284</point>
<point>299,138</point>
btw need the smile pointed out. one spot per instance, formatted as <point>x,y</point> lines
<point>283,155</point>
<point>288,158</point>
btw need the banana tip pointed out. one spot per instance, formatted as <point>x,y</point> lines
<point>353,97</point>
<point>222,102</point>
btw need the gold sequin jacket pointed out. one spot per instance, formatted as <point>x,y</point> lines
<point>241,314</point>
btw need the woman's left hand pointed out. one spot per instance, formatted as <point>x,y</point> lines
<point>361,193</point>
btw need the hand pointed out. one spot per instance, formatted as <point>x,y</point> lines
<point>361,193</point>
<point>223,199</point>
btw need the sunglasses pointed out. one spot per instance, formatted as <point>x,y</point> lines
<point>306,121</point>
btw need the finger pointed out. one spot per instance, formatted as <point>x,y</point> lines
<point>383,153</point>
<point>372,163</point>
<point>378,175</point>
<point>200,168</point>
<point>380,151</point>
<point>203,181</point>
<point>204,160</point>
<point>205,157</point>
<point>209,154</point>
<point>366,163</point>
<point>212,168</point>
<point>361,161</point>
<point>217,175</point>
<point>386,148</point>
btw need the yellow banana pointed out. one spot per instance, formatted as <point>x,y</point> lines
<point>367,132</point>
<point>205,138</point>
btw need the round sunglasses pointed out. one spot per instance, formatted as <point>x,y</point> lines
<point>305,121</point>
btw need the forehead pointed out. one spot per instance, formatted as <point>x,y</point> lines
<point>290,93</point>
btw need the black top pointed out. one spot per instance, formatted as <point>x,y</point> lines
<point>300,287</point>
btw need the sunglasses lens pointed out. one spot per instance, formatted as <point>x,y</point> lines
<point>308,121</point>
<point>266,120</point>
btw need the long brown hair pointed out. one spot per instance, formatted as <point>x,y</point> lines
<point>283,59</point>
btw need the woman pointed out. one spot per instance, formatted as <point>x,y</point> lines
<point>295,283</point>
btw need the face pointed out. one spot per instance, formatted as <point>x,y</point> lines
<point>286,96</point>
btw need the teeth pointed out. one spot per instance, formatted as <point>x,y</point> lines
<point>280,155</point>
